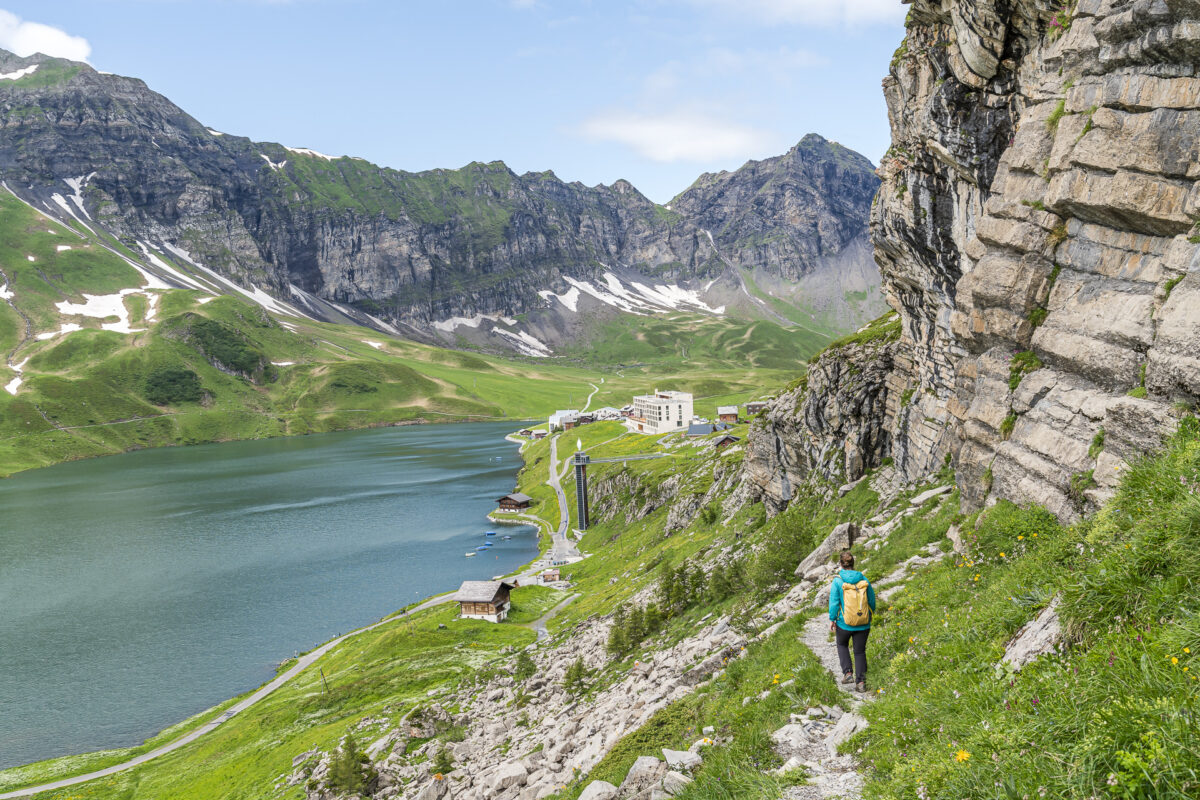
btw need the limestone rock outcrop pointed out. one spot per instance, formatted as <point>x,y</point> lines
<point>1036,232</point>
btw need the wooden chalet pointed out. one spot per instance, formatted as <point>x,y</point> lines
<point>526,433</point>
<point>551,576</point>
<point>728,414</point>
<point>486,600</point>
<point>756,407</point>
<point>721,442</point>
<point>515,502</point>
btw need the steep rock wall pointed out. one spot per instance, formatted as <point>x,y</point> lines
<point>1036,231</point>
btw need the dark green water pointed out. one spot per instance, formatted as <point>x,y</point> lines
<point>140,589</point>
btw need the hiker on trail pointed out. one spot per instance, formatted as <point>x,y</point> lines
<point>851,605</point>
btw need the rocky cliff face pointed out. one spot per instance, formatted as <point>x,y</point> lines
<point>1036,231</point>
<point>411,248</point>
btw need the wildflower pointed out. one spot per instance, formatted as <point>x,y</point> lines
<point>437,776</point>
<point>1036,701</point>
<point>1002,555</point>
<point>1112,779</point>
<point>1187,649</point>
<point>1174,660</point>
<point>962,756</point>
<point>1021,538</point>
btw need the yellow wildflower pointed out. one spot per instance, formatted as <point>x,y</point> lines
<point>1174,660</point>
<point>961,756</point>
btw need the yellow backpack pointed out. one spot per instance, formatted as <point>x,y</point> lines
<point>856,610</point>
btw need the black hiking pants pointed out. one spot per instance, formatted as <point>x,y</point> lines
<point>843,638</point>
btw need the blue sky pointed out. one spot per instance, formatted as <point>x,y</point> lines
<point>653,91</point>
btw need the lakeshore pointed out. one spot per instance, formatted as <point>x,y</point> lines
<point>366,569</point>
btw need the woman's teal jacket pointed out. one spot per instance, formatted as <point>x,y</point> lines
<point>835,599</point>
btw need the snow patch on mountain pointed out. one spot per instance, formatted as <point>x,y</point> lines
<point>525,343</point>
<point>448,325</point>
<point>634,297</point>
<point>77,186</point>
<point>272,164</point>
<point>167,268</point>
<point>304,151</point>
<point>569,298</point>
<point>21,73</point>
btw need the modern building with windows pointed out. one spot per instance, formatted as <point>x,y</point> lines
<point>661,412</point>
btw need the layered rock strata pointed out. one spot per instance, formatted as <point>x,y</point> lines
<point>1036,231</point>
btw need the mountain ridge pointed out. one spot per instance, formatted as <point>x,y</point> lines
<point>409,248</point>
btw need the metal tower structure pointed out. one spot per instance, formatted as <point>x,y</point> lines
<point>582,460</point>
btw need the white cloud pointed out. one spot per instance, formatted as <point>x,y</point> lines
<point>679,136</point>
<point>26,38</point>
<point>812,12</point>
<point>721,65</point>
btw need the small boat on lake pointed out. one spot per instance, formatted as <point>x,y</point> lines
<point>470,555</point>
<point>506,537</point>
<point>490,533</point>
<point>482,547</point>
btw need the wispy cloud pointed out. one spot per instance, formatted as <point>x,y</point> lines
<point>676,136</point>
<point>823,13</point>
<point>721,65</point>
<point>26,38</point>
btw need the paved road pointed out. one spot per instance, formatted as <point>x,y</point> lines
<point>563,548</point>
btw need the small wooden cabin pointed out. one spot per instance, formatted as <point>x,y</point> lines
<point>722,442</point>
<point>551,576</point>
<point>728,414</point>
<point>485,600</point>
<point>515,502</point>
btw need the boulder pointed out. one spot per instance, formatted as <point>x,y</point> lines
<point>925,497</point>
<point>645,773</point>
<point>1037,637</point>
<point>434,790</point>
<point>682,759</point>
<point>513,773</point>
<point>599,790</point>
<point>674,783</point>
<point>842,537</point>
<point>846,727</point>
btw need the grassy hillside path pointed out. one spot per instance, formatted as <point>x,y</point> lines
<point>830,775</point>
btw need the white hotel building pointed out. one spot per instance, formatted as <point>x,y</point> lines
<point>661,412</point>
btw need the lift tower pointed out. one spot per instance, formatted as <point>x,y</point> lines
<point>582,460</point>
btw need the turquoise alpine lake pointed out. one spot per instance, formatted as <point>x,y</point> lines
<point>139,589</point>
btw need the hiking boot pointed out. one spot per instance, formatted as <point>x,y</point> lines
<point>862,686</point>
<point>848,677</point>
